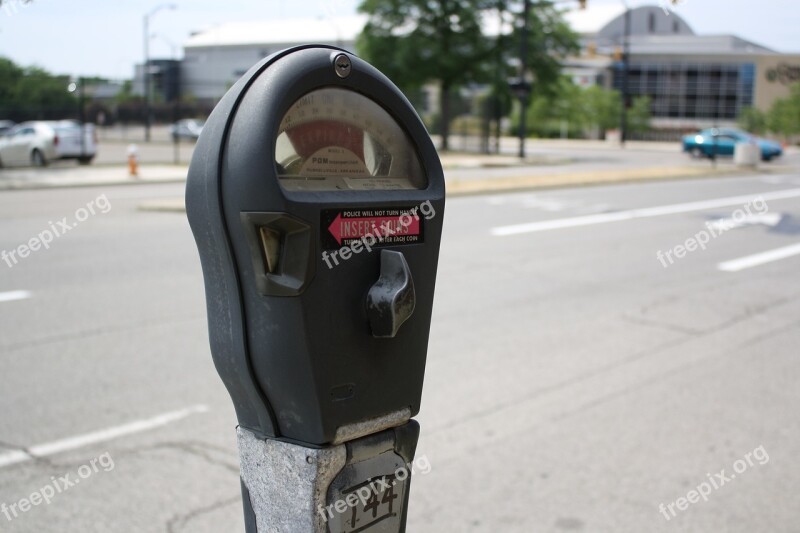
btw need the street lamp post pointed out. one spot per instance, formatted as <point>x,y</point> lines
<point>523,89</point>
<point>146,67</point>
<point>82,114</point>
<point>79,87</point>
<point>626,52</point>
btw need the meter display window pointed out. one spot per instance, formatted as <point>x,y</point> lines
<point>337,139</point>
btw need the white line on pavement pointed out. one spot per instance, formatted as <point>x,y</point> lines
<point>12,458</point>
<point>767,219</point>
<point>72,443</point>
<point>14,295</point>
<point>645,212</point>
<point>763,258</point>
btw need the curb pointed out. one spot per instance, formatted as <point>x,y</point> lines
<point>578,179</point>
<point>95,176</point>
<point>16,186</point>
<point>457,188</point>
<point>167,205</point>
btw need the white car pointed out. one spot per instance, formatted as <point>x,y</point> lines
<point>189,128</point>
<point>39,143</point>
<point>69,144</point>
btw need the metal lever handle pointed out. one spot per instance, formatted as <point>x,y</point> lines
<point>391,300</point>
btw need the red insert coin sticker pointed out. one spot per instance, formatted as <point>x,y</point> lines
<point>379,227</point>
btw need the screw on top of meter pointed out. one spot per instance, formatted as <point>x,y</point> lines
<point>334,138</point>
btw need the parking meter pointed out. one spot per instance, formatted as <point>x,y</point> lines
<point>316,199</point>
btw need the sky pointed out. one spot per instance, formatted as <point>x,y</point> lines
<point>105,38</point>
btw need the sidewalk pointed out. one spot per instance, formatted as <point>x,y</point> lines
<point>62,175</point>
<point>456,187</point>
<point>464,173</point>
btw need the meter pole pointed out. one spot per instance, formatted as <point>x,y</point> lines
<point>341,488</point>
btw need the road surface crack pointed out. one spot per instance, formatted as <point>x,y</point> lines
<point>88,333</point>
<point>179,522</point>
<point>199,449</point>
<point>643,354</point>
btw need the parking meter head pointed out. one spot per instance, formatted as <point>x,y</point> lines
<point>316,199</point>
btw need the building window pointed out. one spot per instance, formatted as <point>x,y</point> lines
<point>699,90</point>
<point>651,22</point>
<point>676,28</point>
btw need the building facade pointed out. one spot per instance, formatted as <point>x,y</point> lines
<point>216,58</point>
<point>692,80</point>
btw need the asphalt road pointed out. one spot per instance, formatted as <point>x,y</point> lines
<point>574,382</point>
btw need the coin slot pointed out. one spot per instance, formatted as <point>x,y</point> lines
<point>271,245</point>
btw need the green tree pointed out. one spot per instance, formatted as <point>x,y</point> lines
<point>779,118</point>
<point>783,117</point>
<point>752,120</point>
<point>125,93</point>
<point>32,92</point>
<point>601,107</point>
<point>417,42</point>
<point>639,114</point>
<point>550,39</point>
<point>40,90</point>
<point>550,108</point>
<point>582,110</point>
<point>10,76</point>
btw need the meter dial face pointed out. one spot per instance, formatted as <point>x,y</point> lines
<point>337,139</point>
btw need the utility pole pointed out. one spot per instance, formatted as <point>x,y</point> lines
<point>626,52</point>
<point>82,114</point>
<point>523,89</point>
<point>146,66</point>
<point>146,77</point>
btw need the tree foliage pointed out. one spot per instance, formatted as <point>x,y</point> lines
<point>550,39</point>
<point>28,91</point>
<point>753,120</point>
<point>584,112</point>
<point>600,108</point>
<point>417,42</point>
<point>639,114</point>
<point>783,118</point>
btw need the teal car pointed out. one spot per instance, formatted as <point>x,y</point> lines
<point>722,142</point>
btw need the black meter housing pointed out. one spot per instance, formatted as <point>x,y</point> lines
<point>316,199</point>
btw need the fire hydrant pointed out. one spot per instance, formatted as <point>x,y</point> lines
<point>133,161</point>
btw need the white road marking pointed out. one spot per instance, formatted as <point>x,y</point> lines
<point>780,180</point>
<point>763,258</point>
<point>767,219</point>
<point>72,443</point>
<point>12,458</point>
<point>533,201</point>
<point>646,212</point>
<point>544,203</point>
<point>14,295</point>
